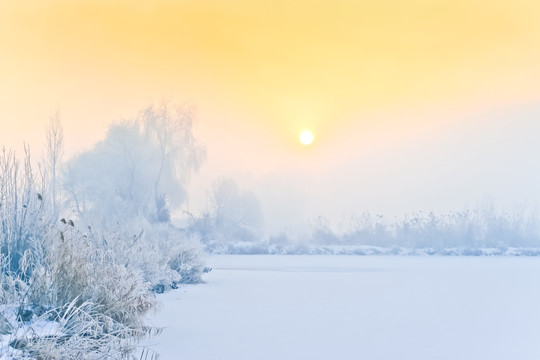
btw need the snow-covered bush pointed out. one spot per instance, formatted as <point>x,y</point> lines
<point>94,305</point>
<point>321,232</point>
<point>161,253</point>
<point>188,261</point>
<point>76,269</point>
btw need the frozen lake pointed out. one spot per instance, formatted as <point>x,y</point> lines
<point>353,307</point>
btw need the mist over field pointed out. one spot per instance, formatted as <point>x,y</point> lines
<point>476,162</point>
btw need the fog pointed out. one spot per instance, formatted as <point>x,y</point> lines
<point>393,164</point>
<point>409,111</point>
<point>452,163</point>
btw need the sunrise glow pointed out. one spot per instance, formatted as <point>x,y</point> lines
<point>306,137</point>
<point>380,84</point>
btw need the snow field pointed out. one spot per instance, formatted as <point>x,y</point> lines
<point>350,307</point>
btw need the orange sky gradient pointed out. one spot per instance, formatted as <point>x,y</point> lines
<point>362,75</point>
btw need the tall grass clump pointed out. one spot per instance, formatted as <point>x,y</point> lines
<point>80,331</point>
<point>75,269</point>
<point>23,214</point>
<point>163,254</point>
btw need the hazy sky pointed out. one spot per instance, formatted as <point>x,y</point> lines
<point>414,104</point>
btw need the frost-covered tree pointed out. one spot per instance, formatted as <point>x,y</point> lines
<point>234,215</point>
<point>235,212</point>
<point>141,168</point>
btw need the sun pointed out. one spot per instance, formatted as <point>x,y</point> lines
<point>306,137</point>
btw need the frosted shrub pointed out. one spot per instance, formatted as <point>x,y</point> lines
<point>161,253</point>
<point>75,269</point>
<point>188,261</point>
<point>322,233</point>
<point>136,246</point>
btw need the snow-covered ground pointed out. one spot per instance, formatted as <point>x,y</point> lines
<point>350,307</point>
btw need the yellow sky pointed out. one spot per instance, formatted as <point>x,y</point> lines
<point>263,68</point>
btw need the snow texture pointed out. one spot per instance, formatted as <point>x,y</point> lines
<point>349,307</point>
